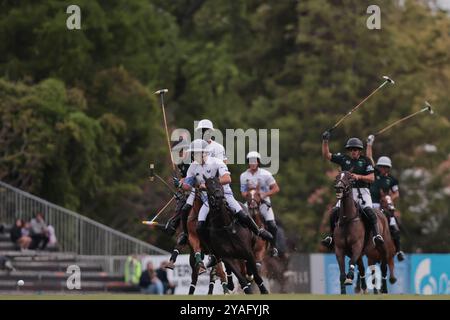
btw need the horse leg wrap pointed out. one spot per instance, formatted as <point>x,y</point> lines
<point>198,257</point>
<point>191,288</point>
<point>174,255</point>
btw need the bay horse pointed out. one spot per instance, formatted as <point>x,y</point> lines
<point>253,204</point>
<point>352,239</point>
<point>228,240</point>
<point>384,256</point>
<point>388,208</point>
<point>349,234</point>
<point>196,256</point>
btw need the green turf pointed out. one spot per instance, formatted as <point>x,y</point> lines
<point>219,297</point>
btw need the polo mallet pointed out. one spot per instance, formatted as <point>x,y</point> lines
<point>153,222</point>
<point>426,108</point>
<point>153,175</point>
<point>386,81</point>
<point>161,95</point>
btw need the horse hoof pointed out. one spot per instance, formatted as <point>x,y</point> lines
<point>170,265</point>
<point>392,280</point>
<point>348,282</point>
<point>248,290</point>
<point>365,291</point>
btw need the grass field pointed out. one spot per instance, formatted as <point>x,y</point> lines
<point>218,297</point>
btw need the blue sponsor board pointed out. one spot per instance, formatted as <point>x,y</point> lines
<point>430,274</point>
<point>332,284</point>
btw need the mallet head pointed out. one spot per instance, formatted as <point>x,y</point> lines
<point>428,106</point>
<point>388,79</point>
<point>162,91</point>
<point>152,174</point>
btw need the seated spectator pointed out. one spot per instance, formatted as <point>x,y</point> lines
<point>52,241</point>
<point>149,282</point>
<point>20,235</point>
<point>169,287</point>
<point>39,232</point>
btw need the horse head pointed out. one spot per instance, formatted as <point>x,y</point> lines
<point>253,196</point>
<point>343,184</point>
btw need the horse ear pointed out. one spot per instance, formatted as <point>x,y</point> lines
<point>217,173</point>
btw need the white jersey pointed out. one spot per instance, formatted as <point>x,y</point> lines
<point>261,178</point>
<point>216,150</point>
<point>209,169</point>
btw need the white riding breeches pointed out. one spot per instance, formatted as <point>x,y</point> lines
<point>229,198</point>
<point>266,212</point>
<point>366,200</point>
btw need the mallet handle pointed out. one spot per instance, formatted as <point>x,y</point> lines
<point>357,106</point>
<point>401,120</point>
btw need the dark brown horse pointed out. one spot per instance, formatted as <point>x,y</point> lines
<point>349,234</point>
<point>228,240</point>
<point>195,255</point>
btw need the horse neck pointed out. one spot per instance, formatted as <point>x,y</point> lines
<point>256,215</point>
<point>348,207</point>
<point>219,216</point>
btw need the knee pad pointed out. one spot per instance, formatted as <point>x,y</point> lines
<point>271,226</point>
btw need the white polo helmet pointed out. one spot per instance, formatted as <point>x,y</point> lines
<point>384,161</point>
<point>205,124</point>
<point>253,154</point>
<point>198,145</point>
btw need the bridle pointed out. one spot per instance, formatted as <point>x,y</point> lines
<point>341,186</point>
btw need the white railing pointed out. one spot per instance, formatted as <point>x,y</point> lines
<point>75,233</point>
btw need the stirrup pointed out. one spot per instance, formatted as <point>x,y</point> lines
<point>400,256</point>
<point>274,252</point>
<point>327,242</point>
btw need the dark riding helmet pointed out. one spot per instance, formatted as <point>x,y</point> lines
<point>354,143</point>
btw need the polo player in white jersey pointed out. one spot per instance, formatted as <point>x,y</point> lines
<point>258,177</point>
<point>205,165</point>
<point>214,148</point>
